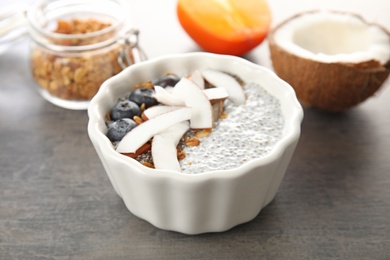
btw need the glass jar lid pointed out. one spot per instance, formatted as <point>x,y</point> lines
<point>39,20</point>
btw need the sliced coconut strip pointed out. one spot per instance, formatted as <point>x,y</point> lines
<point>197,78</point>
<point>193,96</point>
<point>169,89</point>
<point>164,145</point>
<point>220,79</point>
<point>216,94</point>
<point>145,131</point>
<point>165,97</point>
<point>164,154</point>
<point>154,111</point>
<point>176,132</point>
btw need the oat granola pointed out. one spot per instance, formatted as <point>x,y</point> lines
<point>78,75</point>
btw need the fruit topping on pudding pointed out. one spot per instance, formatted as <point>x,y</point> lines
<point>143,96</point>
<point>168,80</point>
<point>175,119</point>
<point>125,109</point>
<point>119,128</point>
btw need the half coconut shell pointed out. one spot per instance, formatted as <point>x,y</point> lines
<point>330,86</point>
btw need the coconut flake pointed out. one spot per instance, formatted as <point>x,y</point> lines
<point>216,94</point>
<point>165,97</point>
<point>145,131</point>
<point>154,111</point>
<point>193,96</point>
<point>164,145</point>
<point>197,78</point>
<point>220,79</point>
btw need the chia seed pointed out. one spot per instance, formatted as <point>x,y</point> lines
<point>250,131</point>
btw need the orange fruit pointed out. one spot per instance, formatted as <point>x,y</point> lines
<point>225,26</point>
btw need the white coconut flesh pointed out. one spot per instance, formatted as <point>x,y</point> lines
<point>334,37</point>
<point>164,145</point>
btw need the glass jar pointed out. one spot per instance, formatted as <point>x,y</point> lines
<point>78,44</point>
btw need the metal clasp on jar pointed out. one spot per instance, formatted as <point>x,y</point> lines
<point>130,52</point>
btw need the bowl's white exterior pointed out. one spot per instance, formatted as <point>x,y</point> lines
<point>206,202</point>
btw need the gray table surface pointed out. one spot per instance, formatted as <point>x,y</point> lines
<point>56,201</point>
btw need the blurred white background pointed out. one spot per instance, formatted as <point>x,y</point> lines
<point>162,34</point>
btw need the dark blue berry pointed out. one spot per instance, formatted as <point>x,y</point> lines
<point>124,109</point>
<point>169,80</point>
<point>118,129</point>
<point>143,96</point>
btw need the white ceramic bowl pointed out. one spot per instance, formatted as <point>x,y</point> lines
<point>195,203</point>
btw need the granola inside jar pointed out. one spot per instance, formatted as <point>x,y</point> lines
<point>77,45</point>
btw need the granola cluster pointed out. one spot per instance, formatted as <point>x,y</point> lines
<point>75,76</point>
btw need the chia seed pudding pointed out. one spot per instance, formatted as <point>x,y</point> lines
<point>246,131</point>
<point>250,131</point>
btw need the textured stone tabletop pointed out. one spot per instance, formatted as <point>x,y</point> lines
<point>56,201</point>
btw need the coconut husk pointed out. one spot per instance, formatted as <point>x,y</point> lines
<point>327,86</point>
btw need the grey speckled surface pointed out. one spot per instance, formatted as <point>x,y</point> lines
<point>56,201</point>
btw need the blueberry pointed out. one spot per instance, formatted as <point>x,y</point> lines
<point>118,129</point>
<point>125,109</point>
<point>143,96</point>
<point>169,80</point>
